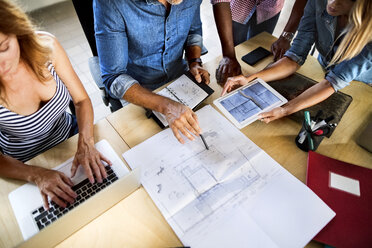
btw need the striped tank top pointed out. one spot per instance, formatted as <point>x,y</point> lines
<point>24,137</point>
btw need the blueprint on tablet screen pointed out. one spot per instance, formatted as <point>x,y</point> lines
<point>242,107</point>
<point>231,195</point>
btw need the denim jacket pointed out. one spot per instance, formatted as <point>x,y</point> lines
<point>318,26</point>
<point>138,43</point>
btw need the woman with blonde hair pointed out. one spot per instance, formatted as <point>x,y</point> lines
<point>342,33</point>
<point>37,83</point>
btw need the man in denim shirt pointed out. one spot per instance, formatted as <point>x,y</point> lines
<point>140,45</point>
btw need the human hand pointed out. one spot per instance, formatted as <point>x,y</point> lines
<point>91,160</point>
<point>55,185</point>
<point>234,83</point>
<point>182,119</point>
<point>228,67</point>
<point>274,114</point>
<point>199,73</point>
<point>279,47</point>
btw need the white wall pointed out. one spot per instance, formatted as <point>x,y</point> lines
<point>29,5</point>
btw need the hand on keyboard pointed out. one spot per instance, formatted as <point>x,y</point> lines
<point>91,160</point>
<point>55,185</point>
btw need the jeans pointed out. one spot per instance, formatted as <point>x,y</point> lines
<point>74,126</point>
<point>243,32</point>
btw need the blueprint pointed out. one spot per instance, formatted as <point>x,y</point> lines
<point>228,195</point>
<point>249,101</point>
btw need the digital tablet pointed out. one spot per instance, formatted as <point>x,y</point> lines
<point>243,105</point>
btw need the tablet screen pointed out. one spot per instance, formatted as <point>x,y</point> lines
<point>249,101</point>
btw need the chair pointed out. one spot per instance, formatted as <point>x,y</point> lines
<point>84,11</point>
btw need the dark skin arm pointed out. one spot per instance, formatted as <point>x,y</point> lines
<point>229,65</point>
<point>281,45</point>
<point>200,74</point>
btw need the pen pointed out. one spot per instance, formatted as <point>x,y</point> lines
<point>308,122</point>
<point>205,143</point>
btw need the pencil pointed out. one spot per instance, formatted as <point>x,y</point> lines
<point>205,143</point>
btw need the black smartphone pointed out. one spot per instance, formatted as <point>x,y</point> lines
<point>256,55</point>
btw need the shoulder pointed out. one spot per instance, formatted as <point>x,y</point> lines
<point>50,40</point>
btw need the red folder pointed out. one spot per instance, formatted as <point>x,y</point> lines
<point>352,225</point>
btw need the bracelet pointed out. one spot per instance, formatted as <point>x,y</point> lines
<point>287,35</point>
<point>198,60</point>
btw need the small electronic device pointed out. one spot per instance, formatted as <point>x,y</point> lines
<point>256,55</point>
<point>243,105</point>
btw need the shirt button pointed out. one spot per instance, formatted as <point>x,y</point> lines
<point>165,53</point>
<point>168,38</point>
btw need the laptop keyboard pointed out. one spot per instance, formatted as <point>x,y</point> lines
<point>84,190</point>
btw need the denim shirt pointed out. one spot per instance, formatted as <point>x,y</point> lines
<point>318,26</point>
<point>138,43</point>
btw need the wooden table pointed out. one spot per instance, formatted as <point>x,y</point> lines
<point>276,138</point>
<point>135,221</point>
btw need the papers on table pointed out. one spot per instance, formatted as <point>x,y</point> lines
<point>185,91</point>
<point>232,195</point>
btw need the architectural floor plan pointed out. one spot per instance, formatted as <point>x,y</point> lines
<point>210,196</point>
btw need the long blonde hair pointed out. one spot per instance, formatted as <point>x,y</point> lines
<point>358,32</point>
<point>34,49</point>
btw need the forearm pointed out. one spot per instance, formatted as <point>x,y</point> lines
<point>147,99</point>
<point>279,70</point>
<point>15,169</point>
<point>295,17</point>
<point>315,94</point>
<point>193,52</point>
<point>223,19</point>
<point>84,115</point>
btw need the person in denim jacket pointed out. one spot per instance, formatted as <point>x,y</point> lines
<point>140,47</point>
<point>342,33</point>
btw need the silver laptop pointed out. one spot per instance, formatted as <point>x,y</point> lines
<point>92,200</point>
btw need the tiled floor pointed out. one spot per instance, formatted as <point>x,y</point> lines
<point>61,20</point>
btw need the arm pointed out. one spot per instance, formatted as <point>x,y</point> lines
<point>315,94</point>
<point>283,43</point>
<point>228,66</point>
<point>280,69</point>
<point>51,183</point>
<point>193,49</point>
<point>86,154</point>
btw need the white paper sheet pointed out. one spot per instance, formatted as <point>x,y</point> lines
<point>182,90</point>
<point>233,188</point>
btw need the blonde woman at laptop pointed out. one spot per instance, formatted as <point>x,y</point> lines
<point>342,33</point>
<point>37,83</point>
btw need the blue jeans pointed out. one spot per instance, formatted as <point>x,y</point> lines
<point>74,126</point>
<point>243,32</point>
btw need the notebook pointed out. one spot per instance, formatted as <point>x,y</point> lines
<point>185,90</point>
<point>347,190</point>
<point>295,84</point>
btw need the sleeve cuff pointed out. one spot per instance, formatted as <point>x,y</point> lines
<point>219,1</point>
<point>194,40</point>
<point>336,82</point>
<point>294,57</point>
<point>120,85</point>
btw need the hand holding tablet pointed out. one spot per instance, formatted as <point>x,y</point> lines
<point>243,105</point>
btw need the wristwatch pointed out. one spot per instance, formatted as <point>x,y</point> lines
<point>198,60</point>
<point>288,35</point>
